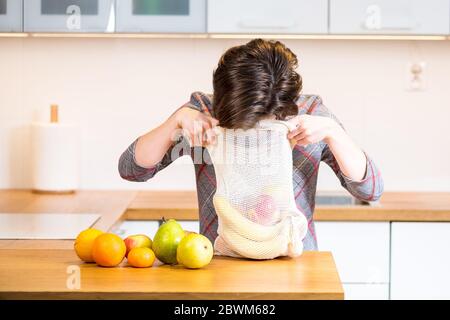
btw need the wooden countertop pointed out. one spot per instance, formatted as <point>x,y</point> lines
<point>37,268</point>
<point>393,206</point>
<point>115,206</point>
<point>43,274</point>
<point>111,206</point>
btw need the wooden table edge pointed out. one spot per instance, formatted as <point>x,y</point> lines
<point>73,295</point>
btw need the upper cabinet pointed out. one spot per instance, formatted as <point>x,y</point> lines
<point>268,16</point>
<point>10,15</point>
<point>251,17</point>
<point>400,17</point>
<point>161,16</point>
<point>69,15</point>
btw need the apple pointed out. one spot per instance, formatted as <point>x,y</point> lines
<point>195,251</point>
<point>137,241</point>
<point>265,209</point>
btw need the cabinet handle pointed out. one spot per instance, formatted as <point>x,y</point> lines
<point>387,28</point>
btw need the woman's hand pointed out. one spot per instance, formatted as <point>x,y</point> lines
<point>197,127</point>
<point>312,129</point>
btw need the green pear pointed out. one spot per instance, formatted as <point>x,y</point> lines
<point>166,240</point>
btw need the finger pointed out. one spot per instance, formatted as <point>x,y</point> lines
<point>293,143</point>
<point>214,122</point>
<point>296,132</point>
<point>309,139</point>
<point>200,137</point>
<point>207,132</point>
<point>198,132</point>
<point>294,121</point>
<point>188,136</point>
<point>193,136</point>
<point>188,133</point>
<point>207,136</point>
<point>213,137</point>
<point>210,135</point>
<point>303,135</point>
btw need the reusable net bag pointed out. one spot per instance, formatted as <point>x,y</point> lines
<point>257,214</point>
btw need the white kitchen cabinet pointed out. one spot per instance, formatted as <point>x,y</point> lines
<point>420,260</point>
<point>11,15</point>
<point>69,15</point>
<point>360,249</point>
<point>268,16</point>
<point>149,228</point>
<point>390,17</point>
<point>131,227</point>
<point>364,291</point>
<point>190,225</point>
<point>161,16</point>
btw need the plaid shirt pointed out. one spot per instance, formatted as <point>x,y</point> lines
<point>306,160</point>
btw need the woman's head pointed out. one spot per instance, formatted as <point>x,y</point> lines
<point>255,81</point>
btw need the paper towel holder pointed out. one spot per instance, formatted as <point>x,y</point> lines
<point>54,119</point>
<point>54,113</point>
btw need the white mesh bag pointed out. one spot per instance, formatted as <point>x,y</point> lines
<point>254,200</point>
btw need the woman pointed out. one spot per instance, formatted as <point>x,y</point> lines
<point>251,82</point>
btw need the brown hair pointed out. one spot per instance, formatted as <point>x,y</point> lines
<point>253,81</point>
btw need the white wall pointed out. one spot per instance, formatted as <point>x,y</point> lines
<point>117,89</point>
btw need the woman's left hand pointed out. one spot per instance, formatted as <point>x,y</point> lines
<point>312,129</point>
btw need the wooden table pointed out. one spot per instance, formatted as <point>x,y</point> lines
<point>42,274</point>
<point>393,206</point>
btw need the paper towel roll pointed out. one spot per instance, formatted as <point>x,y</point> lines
<point>55,157</point>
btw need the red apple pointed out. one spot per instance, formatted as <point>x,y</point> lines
<point>265,209</point>
<point>137,241</point>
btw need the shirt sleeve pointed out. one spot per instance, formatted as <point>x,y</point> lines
<point>371,187</point>
<point>131,171</point>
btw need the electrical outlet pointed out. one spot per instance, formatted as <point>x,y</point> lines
<point>416,76</point>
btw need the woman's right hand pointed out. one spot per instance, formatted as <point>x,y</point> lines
<point>196,126</point>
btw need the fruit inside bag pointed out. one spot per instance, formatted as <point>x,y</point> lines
<point>254,200</point>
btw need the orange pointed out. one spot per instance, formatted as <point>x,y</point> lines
<point>84,242</point>
<point>108,250</point>
<point>141,257</point>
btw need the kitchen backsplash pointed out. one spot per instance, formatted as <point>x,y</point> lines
<point>117,89</point>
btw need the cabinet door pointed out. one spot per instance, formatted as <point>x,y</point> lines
<point>360,249</point>
<point>363,291</point>
<point>11,15</point>
<point>268,16</point>
<point>131,227</point>
<point>149,228</point>
<point>69,15</point>
<point>420,260</point>
<point>161,16</point>
<point>190,225</point>
<point>389,17</point>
